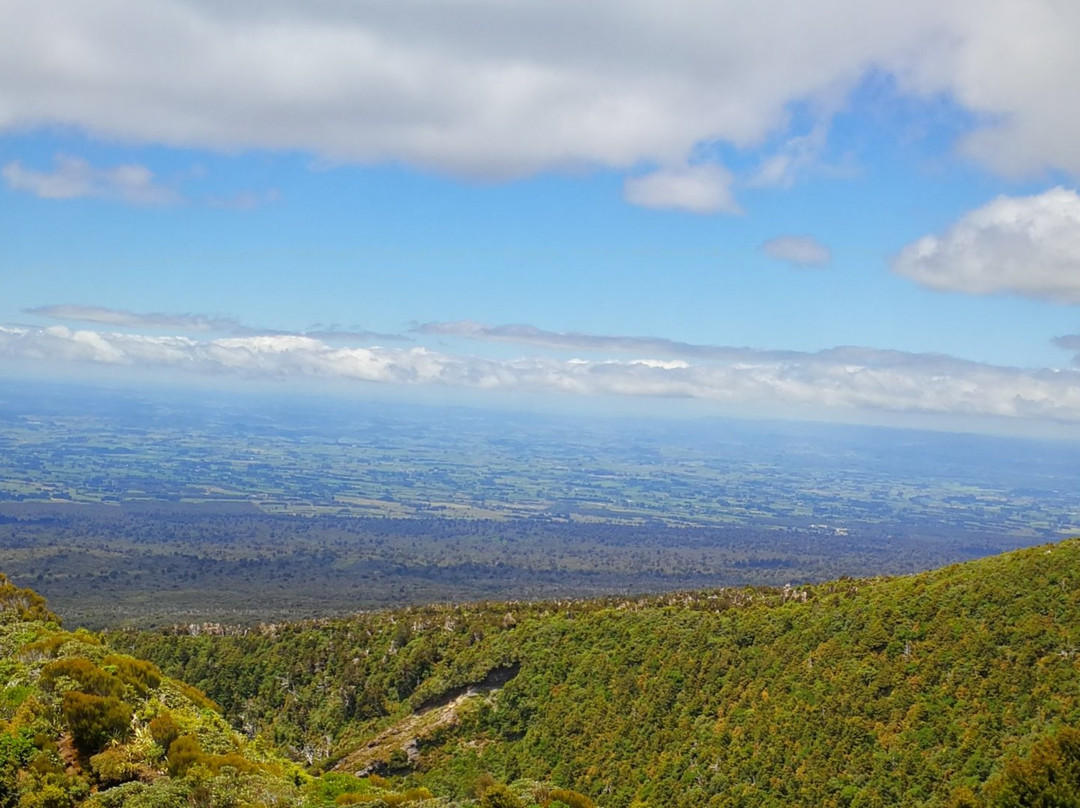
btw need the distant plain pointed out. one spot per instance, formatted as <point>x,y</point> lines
<point>149,508</point>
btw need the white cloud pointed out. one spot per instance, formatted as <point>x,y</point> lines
<point>509,88</point>
<point>800,250</point>
<point>703,188</point>
<point>74,178</point>
<point>1027,246</point>
<point>1006,62</point>
<point>845,379</point>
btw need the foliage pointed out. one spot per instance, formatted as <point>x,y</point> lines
<point>84,725</point>
<point>139,674</point>
<point>893,691</point>
<point>16,751</point>
<point>164,730</point>
<point>87,676</point>
<point>1047,777</point>
<point>500,796</point>
<point>22,604</point>
<point>959,687</point>
<point>95,721</point>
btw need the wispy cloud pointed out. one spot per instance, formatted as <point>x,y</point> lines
<point>338,335</point>
<point>130,319</point>
<point>245,200</point>
<point>1070,342</point>
<point>576,341</point>
<point>1028,246</point>
<point>843,379</point>
<point>199,323</point>
<point>75,178</point>
<point>805,251</point>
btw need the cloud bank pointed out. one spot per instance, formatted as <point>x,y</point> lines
<point>495,90</point>
<point>1028,246</point>
<point>839,379</point>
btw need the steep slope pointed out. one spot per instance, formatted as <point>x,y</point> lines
<point>895,692</point>
<point>81,725</point>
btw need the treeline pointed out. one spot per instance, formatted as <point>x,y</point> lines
<point>936,689</point>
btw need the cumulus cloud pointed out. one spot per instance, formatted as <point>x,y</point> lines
<point>804,251</point>
<point>507,89</point>
<point>704,188</point>
<point>1027,246</point>
<point>842,378</point>
<point>131,319</point>
<point>74,178</point>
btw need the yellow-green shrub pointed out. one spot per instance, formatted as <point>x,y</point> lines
<point>94,721</point>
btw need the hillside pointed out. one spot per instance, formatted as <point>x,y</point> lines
<point>82,725</point>
<point>906,691</point>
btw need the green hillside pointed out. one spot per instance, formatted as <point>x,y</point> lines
<point>81,725</point>
<point>906,691</point>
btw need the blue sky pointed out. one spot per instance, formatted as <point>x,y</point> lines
<point>844,210</point>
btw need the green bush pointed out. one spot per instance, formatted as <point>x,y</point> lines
<point>23,604</point>
<point>16,750</point>
<point>500,796</point>
<point>164,730</point>
<point>95,721</point>
<point>113,767</point>
<point>571,798</point>
<point>89,677</point>
<point>184,753</point>
<point>142,676</point>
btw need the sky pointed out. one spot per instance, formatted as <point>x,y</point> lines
<point>849,210</point>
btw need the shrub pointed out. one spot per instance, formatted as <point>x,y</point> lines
<point>184,753</point>
<point>500,796</point>
<point>23,604</point>
<point>571,798</point>
<point>89,677</point>
<point>164,730</point>
<point>112,767</point>
<point>407,796</point>
<point>142,676</point>
<point>94,721</point>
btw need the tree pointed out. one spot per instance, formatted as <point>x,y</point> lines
<point>1049,777</point>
